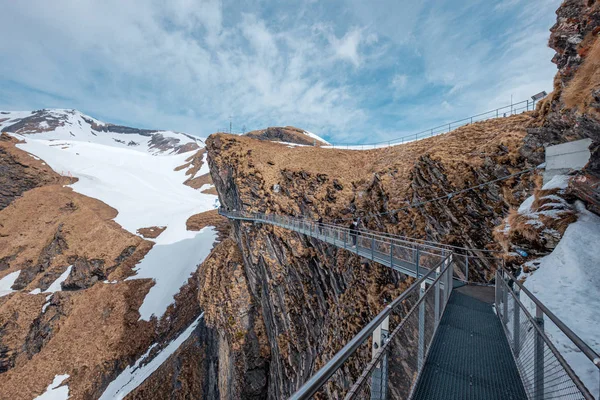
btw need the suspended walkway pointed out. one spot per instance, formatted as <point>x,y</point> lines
<point>442,339</point>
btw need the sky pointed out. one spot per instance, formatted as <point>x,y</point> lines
<point>352,71</point>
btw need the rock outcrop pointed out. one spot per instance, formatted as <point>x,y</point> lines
<point>313,297</point>
<point>287,134</point>
<point>572,111</point>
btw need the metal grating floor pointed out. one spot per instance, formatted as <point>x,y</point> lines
<point>469,357</point>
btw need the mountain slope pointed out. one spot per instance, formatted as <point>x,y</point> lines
<point>92,295</point>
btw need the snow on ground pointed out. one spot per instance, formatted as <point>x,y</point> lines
<point>146,191</point>
<point>7,281</point>
<point>567,281</point>
<point>317,137</point>
<point>144,188</point>
<point>55,286</point>
<point>133,376</point>
<point>171,265</point>
<point>557,182</point>
<point>55,391</point>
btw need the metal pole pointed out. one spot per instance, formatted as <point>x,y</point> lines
<point>539,356</point>
<point>496,291</point>
<point>391,254</point>
<point>417,262</point>
<point>372,247</point>
<point>467,270</point>
<point>437,296</point>
<point>516,326</point>
<point>421,350</point>
<point>504,302</point>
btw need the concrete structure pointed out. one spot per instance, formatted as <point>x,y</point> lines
<point>562,158</point>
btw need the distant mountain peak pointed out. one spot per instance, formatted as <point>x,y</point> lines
<point>71,124</point>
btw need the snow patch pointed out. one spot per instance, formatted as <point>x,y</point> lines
<point>567,281</point>
<point>557,182</point>
<point>170,265</point>
<point>317,137</point>
<point>135,375</point>
<point>525,207</point>
<point>54,391</point>
<point>55,286</point>
<point>7,281</point>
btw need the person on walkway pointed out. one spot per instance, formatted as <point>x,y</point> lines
<point>353,231</point>
<point>320,225</point>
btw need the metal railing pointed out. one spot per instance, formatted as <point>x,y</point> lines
<point>412,318</point>
<point>406,255</point>
<point>512,109</point>
<point>532,331</point>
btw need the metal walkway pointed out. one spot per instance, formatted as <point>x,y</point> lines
<point>441,341</point>
<point>470,357</point>
<point>410,257</point>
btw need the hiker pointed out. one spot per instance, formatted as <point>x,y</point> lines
<point>353,231</point>
<point>320,225</point>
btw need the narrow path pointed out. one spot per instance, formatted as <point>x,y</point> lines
<point>470,357</point>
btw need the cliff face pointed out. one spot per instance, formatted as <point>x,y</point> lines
<point>313,297</point>
<point>572,111</point>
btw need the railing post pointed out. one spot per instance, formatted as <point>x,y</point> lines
<point>345,238</point>
<point>417,262</point>
<point>372,247</point>
<point>516,325</point>
<point>504,301</point>
<point>538,361</point>
<point>379,376</point>
<point>437,296</point>
<point>421,349</point>
<point>497,292</point>
<point>392,255</point>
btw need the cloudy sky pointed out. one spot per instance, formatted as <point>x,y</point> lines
<point>350,70</point>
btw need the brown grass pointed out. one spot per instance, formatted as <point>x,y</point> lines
<point>460,151</point>
<point>578,93</point>
<point>151,232</point>
<point>211,190</point>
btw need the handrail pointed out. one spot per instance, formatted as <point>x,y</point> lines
<point>386,235</point>
<point>261,217</point>
<point>572,375</point>
<point>585,349</point>
<point>447,127</point>
<point>388,341</point>
<point>311,386</point>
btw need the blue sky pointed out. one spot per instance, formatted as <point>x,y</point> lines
<point>352,71</point>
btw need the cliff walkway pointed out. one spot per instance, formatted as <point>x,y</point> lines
<point>444,338</point>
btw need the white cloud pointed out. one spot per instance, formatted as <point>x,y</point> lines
<point>329,67</point>
<point>346,48</point>
<point>399,81</point>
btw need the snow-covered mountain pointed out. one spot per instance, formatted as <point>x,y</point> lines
<point>61,124</point>
<point>143,175</point>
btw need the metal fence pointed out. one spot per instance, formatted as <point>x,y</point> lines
<point>401,333</point>
<point>512,109</point>
<point>406,255</point>
<point>544,371</point>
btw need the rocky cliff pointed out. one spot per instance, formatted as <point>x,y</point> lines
<point>313,297</point>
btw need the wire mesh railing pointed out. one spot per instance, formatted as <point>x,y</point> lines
<point>400,253</point>
<point>394,369</point>
<point>405,256</point>
<point>506,111</point>
<point>545,372</point>
<point>401,335</point>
